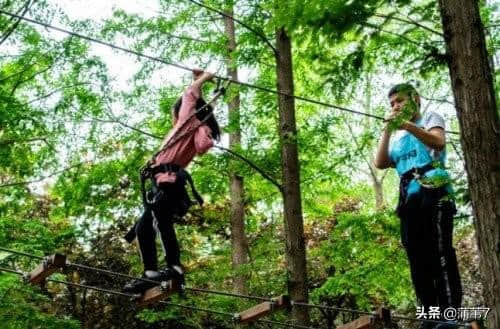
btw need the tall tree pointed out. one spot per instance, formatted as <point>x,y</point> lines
<point>477,112</point>
<point>239,241</point>
<point>292,203</point>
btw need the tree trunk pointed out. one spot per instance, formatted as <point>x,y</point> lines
<point>480,134</point>
<point>239,241</point>
<point>379,192</point>
<point>376,179</point>
<point>294,227</point>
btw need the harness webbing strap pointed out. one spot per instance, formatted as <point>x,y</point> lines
<point>196,195</point>
<point>150,173</point>
<point>406,179</point>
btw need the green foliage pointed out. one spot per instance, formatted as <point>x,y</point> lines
<point>333,18</point>
<point>364,260</point>
<point>72,142</point>
<point>17,312</point>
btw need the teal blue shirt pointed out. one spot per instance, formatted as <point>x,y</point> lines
<point>407,152</point>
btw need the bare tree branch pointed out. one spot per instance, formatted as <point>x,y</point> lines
<point>29,140</point>
<point>54,92</point>
<point>16,24</point>
<point>410,21</point>
<point>375,27</point>
<point>358,150</point>
<point>442,100</point>
<point>34,75</point>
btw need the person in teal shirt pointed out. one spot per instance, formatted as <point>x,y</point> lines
<point>415,145</point>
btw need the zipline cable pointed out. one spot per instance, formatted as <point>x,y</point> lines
<point>224,14</point>
<point>215,292</point>
<point>219,77</point>
<point>182,67</point>
<point>3,269</point>
<point>130,277</point>
<point>194,308</point>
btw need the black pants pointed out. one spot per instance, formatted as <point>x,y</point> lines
<point>426,234</point>
<point>160,218</point>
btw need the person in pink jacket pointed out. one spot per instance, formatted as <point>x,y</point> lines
<point>193,133</point>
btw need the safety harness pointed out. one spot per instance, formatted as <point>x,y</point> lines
<point>406,178</point>
<point>148,172</point>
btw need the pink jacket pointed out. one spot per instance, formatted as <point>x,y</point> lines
<point>192,144</point>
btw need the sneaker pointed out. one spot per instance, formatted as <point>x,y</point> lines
<point>139,286</point>
<point>173,272</point>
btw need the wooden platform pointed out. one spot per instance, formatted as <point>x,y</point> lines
<point>379,321</point>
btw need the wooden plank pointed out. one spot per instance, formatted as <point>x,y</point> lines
<point>281,302</point>
<point>255,312</point>
<point>49,265</point>
<point>263,309</point>
<point>363,322</point>
<point>475,325</point>
<point>159,292</point>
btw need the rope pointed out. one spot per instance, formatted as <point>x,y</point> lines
<point>114,292</point>
<point>230,294</point>
<point>3,269</point>
<point>21,253</point>
<point>182,67</point>
<point>214,292</point>
<point>331,308</point>
<point>139,54</point>
<point>188,307</point>
<point>130,277</point>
